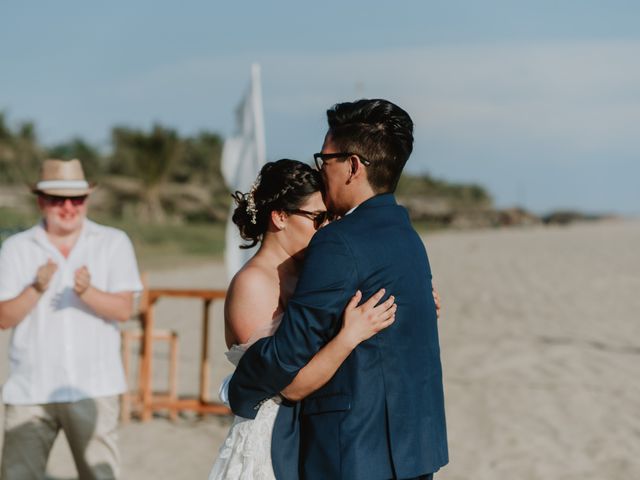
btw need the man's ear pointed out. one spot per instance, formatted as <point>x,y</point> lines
<point>279,219</point>
<point>356,167</point>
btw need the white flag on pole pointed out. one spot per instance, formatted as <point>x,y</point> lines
<point>242,158</point>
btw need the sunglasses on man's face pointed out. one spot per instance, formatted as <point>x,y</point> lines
<point>321,158</point>
<point>319,217</point>
<point>56,201</point>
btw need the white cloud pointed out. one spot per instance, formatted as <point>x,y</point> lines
<point>577,96</point>
<point>494,112</point>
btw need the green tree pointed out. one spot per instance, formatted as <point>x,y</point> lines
<point>458,194</point>
<point>20,153</point>
<point>200,159</point>
<point>83,151</point>
<point>199,164</point>
<point>149,158</point>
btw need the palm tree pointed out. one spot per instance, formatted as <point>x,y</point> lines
<point>80,149</point>
<point>148,157</point>
<point>20,154</point>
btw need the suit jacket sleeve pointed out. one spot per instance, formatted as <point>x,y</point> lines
<point>312,317</point>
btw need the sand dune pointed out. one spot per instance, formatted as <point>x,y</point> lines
<point>540,335</point>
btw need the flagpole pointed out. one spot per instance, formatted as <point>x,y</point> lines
<point>258,115</point>
<point>243,155</point>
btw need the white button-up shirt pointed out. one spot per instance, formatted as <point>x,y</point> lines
<point>62,351</point>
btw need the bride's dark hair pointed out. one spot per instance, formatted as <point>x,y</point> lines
<point>283,185</point>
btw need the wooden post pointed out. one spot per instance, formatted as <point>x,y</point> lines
<point>146,371</point>
<point>125,399</point>
<point>204,361</point>
<point>173,374</point>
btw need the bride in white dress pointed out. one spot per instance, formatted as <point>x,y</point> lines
<point>281,213</point>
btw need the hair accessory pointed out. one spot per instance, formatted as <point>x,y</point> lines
<point>251,201</point>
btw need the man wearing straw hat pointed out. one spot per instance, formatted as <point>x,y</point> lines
<point>64,286</point>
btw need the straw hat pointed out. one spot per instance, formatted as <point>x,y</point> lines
<point>62,178</point>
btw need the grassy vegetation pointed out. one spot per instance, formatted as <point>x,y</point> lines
<point>427,186</point>
<point>169,188</point>
<point>428,226</point>
<point>157,246</point>
<point>162,246</point>
<point>12,221</point>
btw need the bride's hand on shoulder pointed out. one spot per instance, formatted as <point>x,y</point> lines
<point>436,300</point>
<point>360,323</point>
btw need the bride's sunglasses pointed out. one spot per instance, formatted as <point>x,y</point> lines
<point>319,217</point>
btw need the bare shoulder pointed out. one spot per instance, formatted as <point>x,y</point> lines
<point>256,282</point>
<point>252,301</point>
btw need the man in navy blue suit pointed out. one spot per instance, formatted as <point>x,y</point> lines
<point>382,414</point>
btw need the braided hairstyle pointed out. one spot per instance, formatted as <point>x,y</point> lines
<point>283,185</point>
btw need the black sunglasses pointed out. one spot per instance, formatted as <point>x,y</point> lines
<point>319,217</point>
<point>58,201</point>
<point>321,158</point>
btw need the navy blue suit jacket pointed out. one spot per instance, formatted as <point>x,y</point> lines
<point>382,414</point>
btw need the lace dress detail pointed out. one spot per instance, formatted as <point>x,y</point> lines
<point>246,452</point>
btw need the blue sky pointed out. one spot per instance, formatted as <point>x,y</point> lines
<point>538,101</point>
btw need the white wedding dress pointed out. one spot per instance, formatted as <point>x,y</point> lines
<point>246,452</point>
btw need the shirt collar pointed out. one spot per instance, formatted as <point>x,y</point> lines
<point>39,234</point>
<point>375,201</point>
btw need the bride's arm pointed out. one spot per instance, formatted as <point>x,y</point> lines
<point>359,324</point>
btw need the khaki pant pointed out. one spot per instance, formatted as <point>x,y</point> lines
<point>90,428</point>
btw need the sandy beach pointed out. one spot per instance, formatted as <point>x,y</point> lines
<point>540,338</point>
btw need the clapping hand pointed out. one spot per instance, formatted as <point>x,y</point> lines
<point>44,275</point>
<point>82,280</point>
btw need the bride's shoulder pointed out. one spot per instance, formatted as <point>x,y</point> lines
<point>252,299</point>
<point>254,277</point>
